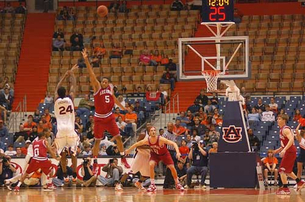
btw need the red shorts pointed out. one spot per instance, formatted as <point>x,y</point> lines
<point>102,124</point>
<point>287,162</point>
<point>165,158</point>
<point>45,166</point>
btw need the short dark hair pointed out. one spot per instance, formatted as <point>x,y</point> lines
<point>104,77</point>
<point>61,91</point>
<point>284,117</point>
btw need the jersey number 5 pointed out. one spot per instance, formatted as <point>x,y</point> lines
<point>107,98</point>
<point>63,110</point>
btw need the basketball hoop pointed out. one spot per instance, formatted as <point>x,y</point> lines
<point>211,77</point>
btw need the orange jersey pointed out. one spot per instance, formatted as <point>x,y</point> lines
<point>271,160</point>
<point>132,116</point>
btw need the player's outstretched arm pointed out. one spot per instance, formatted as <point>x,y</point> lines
<point>60,82</point>
<point>135,145</point>
<point>50,150</point>
<point>73,81</point>
<point>298,136</point>
<point>95,83</point>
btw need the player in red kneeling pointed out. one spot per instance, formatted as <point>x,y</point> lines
<point>159,152</point>
<point>104,100</point>
<point>40,161</point>
<point>288,152</point>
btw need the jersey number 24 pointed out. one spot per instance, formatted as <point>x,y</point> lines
<point>63,110</point>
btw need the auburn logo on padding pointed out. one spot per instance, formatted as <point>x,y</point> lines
<point>231,134</point>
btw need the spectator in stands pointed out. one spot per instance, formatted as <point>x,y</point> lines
<point>114,6</point>
<point>253,117</point>
<point>140,111</point>
<point>177,5</point>
<point>297,116</point>
<point>195,4</point>
<point>113,150</point>
<point>237,16</point>
<point>190,117</point>
<point>6,169</point>
<point>131,119</point>
<point>6,84</point>
<point>184,151</point>
<point>84,106</point>
<point>43,123</point>
<point>28,126</point>
<point>270,163</point>
<point>254,141</point>
<point>214,100</point>
<point>78,125</point>
<point>20,9</point>
<point>77,35</point>
<point>47,115</point>
<point>49,98</point>
<point>6,99</point>
<point>178,129</point>
<point>24,149</point>
<point>19,152</point>
<point>121,125</point>
<point>77,45</point>
<point>267,115</point>
<point>89,123</point>
<point>116,51</point>
<point>8,8</point>
<point>87,150</point>
<point>145,58</point>
<point>164,60</point>
<point>168,77</point>
<point>58,44</point>
<point>156,58</point>
<point>243,92</point>
<point>10,151</point>
<point>202,98</point>
<point>122,101</point>
<point>214,148</point>
<point>219,120</point>
<point>36,116</point>
<point>189,140</point>
<point>260,105</point>
<point>114,173</point>
<point>71,14</point>
<point>89,178</point>
<point>199,156</point>
<point>21,135</point>
<point>171,65</point>
<point>273,105</point>
<point>209,107</point>
<point>3,129</point>
<point>164,95</point>
<point>123,7</point>
<point>183,119</point>
<point>63,15</point>
<point>199,127</point>
<point>58,33</point>
<point>117,113</point>
<point>195,107</point>
<point>99,50</point>
<point>152,95</point>
<point>103,149</point>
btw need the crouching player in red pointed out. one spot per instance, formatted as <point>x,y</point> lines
<point>288,152</point>
<point>158,153</point>
<point>40,161</point>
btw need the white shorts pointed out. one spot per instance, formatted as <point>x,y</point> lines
<point>66,140</point>
<point>141,162</point>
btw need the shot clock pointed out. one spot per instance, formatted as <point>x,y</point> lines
<point>217,11</point>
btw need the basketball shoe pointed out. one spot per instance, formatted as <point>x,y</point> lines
<point>152,188</point>
<point>125,163</point>
<point>139,185</point>
<point>300,185</point>
<point>179,187</point>
<point>283,191</point>
<point>118,187</point>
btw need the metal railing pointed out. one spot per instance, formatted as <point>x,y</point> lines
<point>171,108</point>
<point>17,115</point>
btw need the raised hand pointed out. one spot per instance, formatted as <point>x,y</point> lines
<point>74,67</point>
<point>84,53</point>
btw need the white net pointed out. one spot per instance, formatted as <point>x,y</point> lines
<point>211,78</point>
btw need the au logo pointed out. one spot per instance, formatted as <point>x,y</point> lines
<point>231,134</point>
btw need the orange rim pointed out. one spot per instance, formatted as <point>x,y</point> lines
<point>211,72</point>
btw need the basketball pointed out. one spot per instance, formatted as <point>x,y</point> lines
<point>102,11</point>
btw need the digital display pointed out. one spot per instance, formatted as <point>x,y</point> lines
<point>217,10</point>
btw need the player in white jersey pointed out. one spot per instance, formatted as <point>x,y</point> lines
<point>66,140</point>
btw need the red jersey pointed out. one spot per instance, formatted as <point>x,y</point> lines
<point>157,148</point>
<point>103,102</point>
<point>285,140</point>
<point>40,150</point>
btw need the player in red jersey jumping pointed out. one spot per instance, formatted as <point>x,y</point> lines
<point>40,160</point>
<point>159,152</point>
<point>104,100</point>
<point>288,152</point>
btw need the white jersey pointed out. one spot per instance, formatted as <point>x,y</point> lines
<point>64,113</point>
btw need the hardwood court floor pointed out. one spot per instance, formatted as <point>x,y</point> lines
<point>133,195</point>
